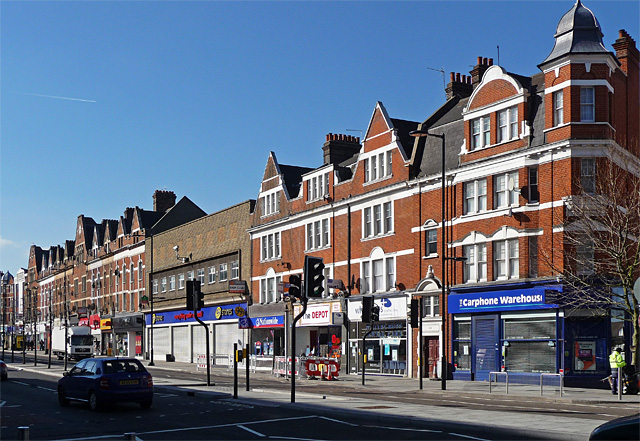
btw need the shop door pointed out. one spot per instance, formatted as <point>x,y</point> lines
<point>486,346</point>
<point>432,348</point>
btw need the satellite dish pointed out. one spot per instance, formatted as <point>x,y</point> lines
<point>636,289</point>
<point>510,184</point>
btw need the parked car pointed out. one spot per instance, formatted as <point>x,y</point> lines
<point>100,381</point>
<point>4,372</point>
<point>618,429</point>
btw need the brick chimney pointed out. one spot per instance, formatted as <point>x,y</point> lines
<point>340,147</point>
<point>459,85</point>
<point>479,70</point>
<point>163,200</point>
<point>626,51</point>
<point>128,213</point>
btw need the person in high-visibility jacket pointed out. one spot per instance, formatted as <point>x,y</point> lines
<point>616,361</point>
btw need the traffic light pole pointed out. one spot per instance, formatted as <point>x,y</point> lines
<point>206,330</point>
<point>363,350</point>
<point>293,348</point>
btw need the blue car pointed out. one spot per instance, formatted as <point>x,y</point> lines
<point>101,381</point>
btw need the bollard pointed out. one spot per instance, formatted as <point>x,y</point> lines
<point>23,433</point>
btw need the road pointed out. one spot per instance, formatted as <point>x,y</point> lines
<point>29,399</point>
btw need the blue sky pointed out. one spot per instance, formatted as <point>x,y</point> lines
<point>102,103</point>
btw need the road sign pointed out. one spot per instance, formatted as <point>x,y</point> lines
<point>335,284</point>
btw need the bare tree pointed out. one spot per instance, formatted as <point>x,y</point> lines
<point>600,241</point>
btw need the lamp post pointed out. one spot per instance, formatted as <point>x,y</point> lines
<point>35,325</point>
<point>13,321</point>
<point>24,319</point>
<point>50,324</point>
<point>151,295</point>
<point>4,335</point>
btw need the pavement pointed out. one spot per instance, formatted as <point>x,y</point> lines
<point>381,397</point>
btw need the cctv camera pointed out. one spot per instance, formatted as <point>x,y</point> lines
<point>175,248</point>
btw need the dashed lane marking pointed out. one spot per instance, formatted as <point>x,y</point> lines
<point>468,436</point>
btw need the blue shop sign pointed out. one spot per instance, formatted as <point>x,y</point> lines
<point>208,314</point>
<point>274,321</point>
<point>505,300</point>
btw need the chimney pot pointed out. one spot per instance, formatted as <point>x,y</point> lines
<point>485,61</point>
<point>464,78</point>
<point>490,61</point>
<point>452,76</point>
<point>479,60</point>
<point>457,77</point>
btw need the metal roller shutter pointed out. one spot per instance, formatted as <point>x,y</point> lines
<point>181,343</point>
<point>199,341</point>
<point>226,336</point>
<point>485,345</point>
<point>161,342</point>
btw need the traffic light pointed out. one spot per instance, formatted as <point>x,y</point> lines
<point>415,311</point>
<point>367,303</point>
<point>375,313</point>
<point>195,297</point>
<point>313,276</point>
<point>295,287</point>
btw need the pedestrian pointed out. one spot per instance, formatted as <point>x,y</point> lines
<point>616,361</point>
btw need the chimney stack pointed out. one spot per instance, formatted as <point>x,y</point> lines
<point>163,200</point>
<point>338,148</point>
<point>479,70</point>
<point>459,85</point>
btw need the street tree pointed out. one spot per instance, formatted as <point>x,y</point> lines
<point>600,241</point>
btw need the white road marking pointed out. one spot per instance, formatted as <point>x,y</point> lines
<point>20,382</point>
<point>46,388</point>
<point>468,436</point>
<point>338,421</point>
<point>2,403</point>
<point>251,431</point>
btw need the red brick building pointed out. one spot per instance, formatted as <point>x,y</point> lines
<point>516,149</point>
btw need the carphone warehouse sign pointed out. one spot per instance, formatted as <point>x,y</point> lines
<point>512,300</point>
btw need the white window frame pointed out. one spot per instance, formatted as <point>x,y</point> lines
<point>223,272</point>
<point>269,288</point>
<point>378,166</point>
<point>588,172</point>
<point>558,108</point>
<point>140,271</point>
<point>270,203</point>
<point>163,284</point>
<point>502,197</point>
<point>155,286</point>
<point>377,274</point>
<point>508,124</point>
<point>172,283</point>
<point>480,132</point>
<point>506,259</point>
<point>190,275</point>
<point>475,267</point>
<point>200,276</point>
<point>270,247</point>
<point>431,239</point>
<point>478,199</point>
<point>587,104</point>
<point>377,220</point>
<point>212,274</point>
<point>235,270</point>
<point>181,281</point>
<point>318,187</point>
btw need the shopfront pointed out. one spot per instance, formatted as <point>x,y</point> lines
<point>268,324</point>
<point>385,347</point>
<point>515,329</point>
<point>128,331</point>
<point>177,334</point>
<point>320,330</point>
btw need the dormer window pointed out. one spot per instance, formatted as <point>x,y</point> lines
<point>480,132</point>
<point>508,124</point>
<point>270,204</point>
<point>318,187</point>
<point>377,166</point>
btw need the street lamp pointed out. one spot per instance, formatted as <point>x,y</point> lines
<point>24,319</point>
<point>443,307</point>
<point>4,335</point>
<point>50,324</point>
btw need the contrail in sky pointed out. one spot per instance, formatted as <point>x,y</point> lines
<point>59,97</point>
